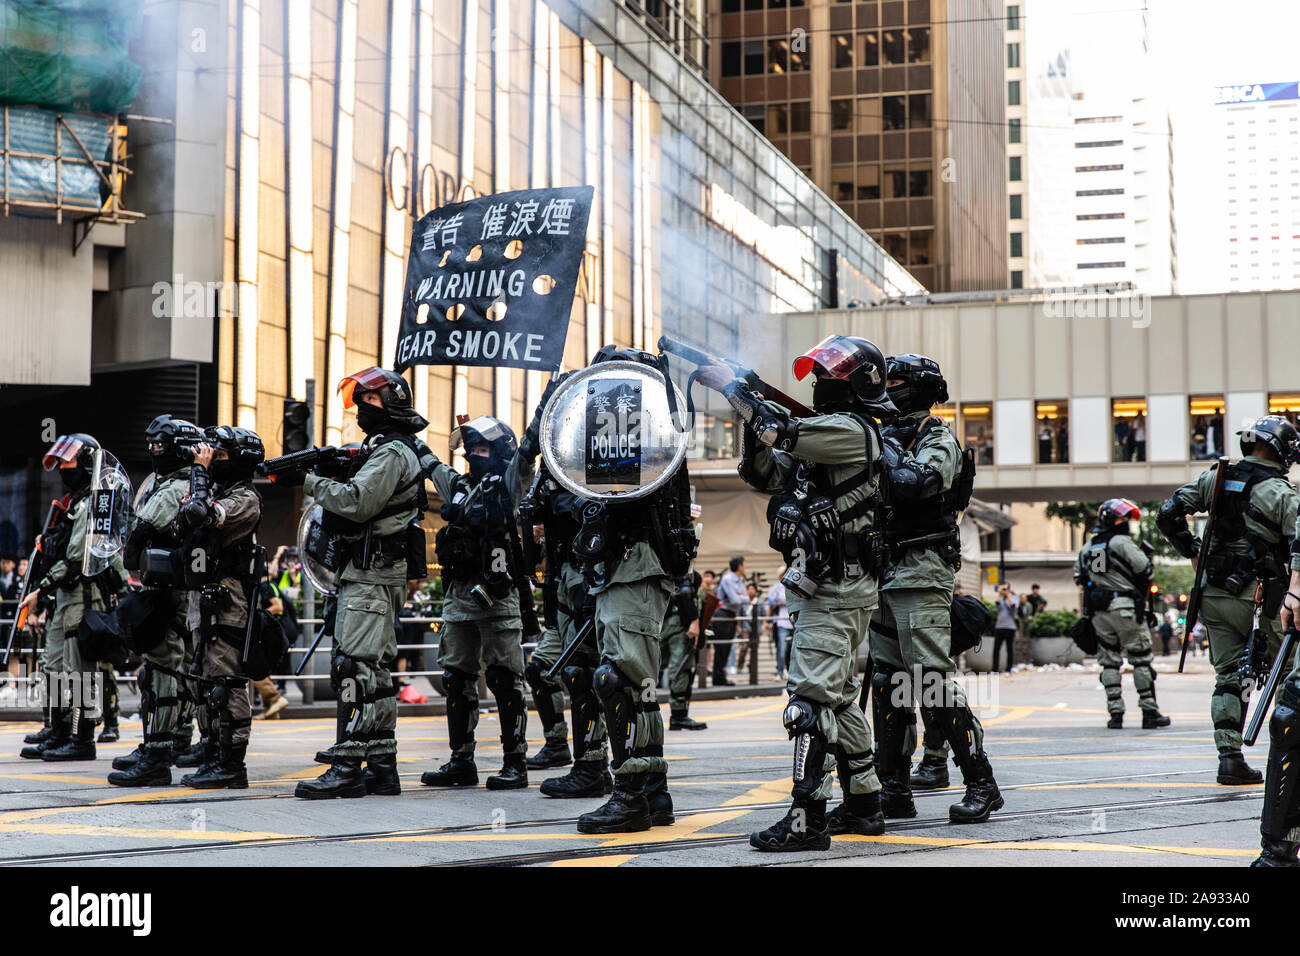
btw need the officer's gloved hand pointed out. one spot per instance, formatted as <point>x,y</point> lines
<point>1196,547</point>
<point>903,432</point>
<point>330,464</point>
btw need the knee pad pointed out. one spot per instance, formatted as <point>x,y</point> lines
<point>500,680</point>
<point>218,698</point>
<point>800,716</point>
<point>576,680</point>
<point>455,681</point>
<point>342,668</point>
<point>608,681</point>
<point>535,676</point>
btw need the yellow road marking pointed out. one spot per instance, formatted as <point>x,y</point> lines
<point>1052,845</point>
<point>50,778</point>
<point>613,860</point>
<point>93,830</point>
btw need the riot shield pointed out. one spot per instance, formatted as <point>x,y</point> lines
<point>111,512</point>
<point>607,433</point>
<point>311,549</point>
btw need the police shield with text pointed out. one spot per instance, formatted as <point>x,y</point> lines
<point>1279,823</point>
<point>371,539</point>
<point>478,550</point>
<point>824,473</point>
<point>930,481</point>
<point>79,582</point>
<point>1248,550</point>
<point>608,437</point>
<point>1115,574</point>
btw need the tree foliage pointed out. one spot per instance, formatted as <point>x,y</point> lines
<point>1083,515</point>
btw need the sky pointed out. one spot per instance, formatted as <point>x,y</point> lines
<point>1196,45</point>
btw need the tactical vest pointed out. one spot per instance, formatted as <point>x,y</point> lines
<point>475,544</point>
<point>55,541</point>
<point>1098,560</point>
<point>937,514</point>
<point>1263,560</point>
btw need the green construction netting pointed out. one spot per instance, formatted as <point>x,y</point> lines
<point>68,54</point>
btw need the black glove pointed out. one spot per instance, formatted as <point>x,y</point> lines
<point>331,464</point>
<point>903,432</point>
<point>891,451</point>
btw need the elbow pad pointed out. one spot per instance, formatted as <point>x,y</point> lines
<point>1172,522</point>
<point>910,481</point>
<point>771,424</point>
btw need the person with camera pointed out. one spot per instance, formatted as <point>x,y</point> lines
<point>370,537</point>
<point>1115,574</point>
<point>479,550</point>
<point>1249,547</point>
<point>930,482</point>
<point>825,473</point>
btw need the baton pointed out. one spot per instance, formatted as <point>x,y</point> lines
<point>578,640</point>
<point>1270,688</point>
<point>327,624</point>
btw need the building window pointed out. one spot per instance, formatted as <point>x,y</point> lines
<point>918,110</point>
<point>1014,173</point>
<point>1013,93</point>
<point>1013,56</point>
<point>1288,406</point>
<point>895,47</point>
<point>755,113</point>
<point>977,431</point>
<point>731,59</point>
<point>1053,432</point>
<point>800,117</point>
<point>753,57</point>
<point>778,119</point>
<point>918,45</point>
<point>868,182</point>
<point>1099,169</point>
<point>1013,131</point>
<point>1089,216</point>
<point>842,113</point>
<point>1017,279</point>
<point>778,56</point>
<point>1100,265</point>
<point>1017,245</point>
<point>871,49</point>
<point>918,183</point>
<point>1100,241</point>
<point>799,60</point>
<point>896,184</point>
<point>1206,415</point>
<point>1129,425</point>
<point>842,44</point>
<point>1013,18</point>
<point>1098,143</point>
<point>920,244</point>
<point>893,112</point>
<point>1015,201</point>
<point>1099,192</point>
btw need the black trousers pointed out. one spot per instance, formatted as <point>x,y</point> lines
<point>723,626</point>
<point>1007,635</point>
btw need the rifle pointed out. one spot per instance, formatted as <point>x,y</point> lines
<point>326,627</point>
<point>1198,587</point>
<point>701,640</point>
<point>1270,687</point>
<point>35,561</point>
<point>747,375</point>
<point>306,460</point>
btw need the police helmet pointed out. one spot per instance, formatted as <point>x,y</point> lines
<point>1276,432</point>
<point>243,447</point>
<point>922,383</point>
<point>1117,511</point>
<point>394,395</point>
<point>857,363</point>
<point>76,449</point>
<point>486,430</point>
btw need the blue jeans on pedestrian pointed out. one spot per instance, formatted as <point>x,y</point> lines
<point>782,648</point>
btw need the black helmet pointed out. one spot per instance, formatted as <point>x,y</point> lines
<point>850,373</point>
<point>74,456</point>
<point>169,441</point>
<point>243,447</point>
<point>614,353</point>
<point>1276,432</point>
<point>923,384</point>
<point>1116,511</point>
<point>486,430</point>
<point>394,395</point>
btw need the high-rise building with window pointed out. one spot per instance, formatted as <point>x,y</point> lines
<point>895,109</point>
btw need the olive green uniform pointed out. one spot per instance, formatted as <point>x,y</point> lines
<point>1228,617</point>
<point>914,628</point>
<point>472,633</point>
<point>1115,562</point>
<point>370,599</point>
<point>169,696</point>
<point>222,637</point>
<point>591,742</point>
<point>677,649</point>
<point>829,626</point>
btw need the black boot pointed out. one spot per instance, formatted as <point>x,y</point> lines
<point>982,794</point>
<point>459,771</point>
<point>382,779</point>
<point>344,778</point>
<point>80,745</point>
<point>42,735</point>
<point>1116,722</point>
<point>931,773</point>
<point>1277,853</point>
<point>60,731</point>
<point>129,760</point>
<point>659,800</point>
<point>858,813</point>
<point>324,756</point>
<point>804,827</point>
<point>896,794</point>
<point>110,734</point>
<point>200,755</point>
<point>626,811</point>
<point>1233,769</point>
<point>551,755</point>
<point>682,722</point>
<point>151,769</point>
<point>588,778</point>
<point>513,774</point>
<point>226,773</point>
<point>1151,719</point>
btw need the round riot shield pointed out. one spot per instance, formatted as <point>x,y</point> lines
<point>110,513</point>
<point>311,549</point>
<point>607,432</point>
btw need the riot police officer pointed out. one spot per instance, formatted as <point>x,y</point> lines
<point>1279,824</point>
<point>677,640</point>
<point>930,482</point>
<point>370,533</point>
<point>825,471</point>
<point>68,676</point>
<point>1115,574</point>
<point>222,512</point>
<point>567,607</point>
<point>166,691</point>
<point>480,555</point>
<point>1249,546</point>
